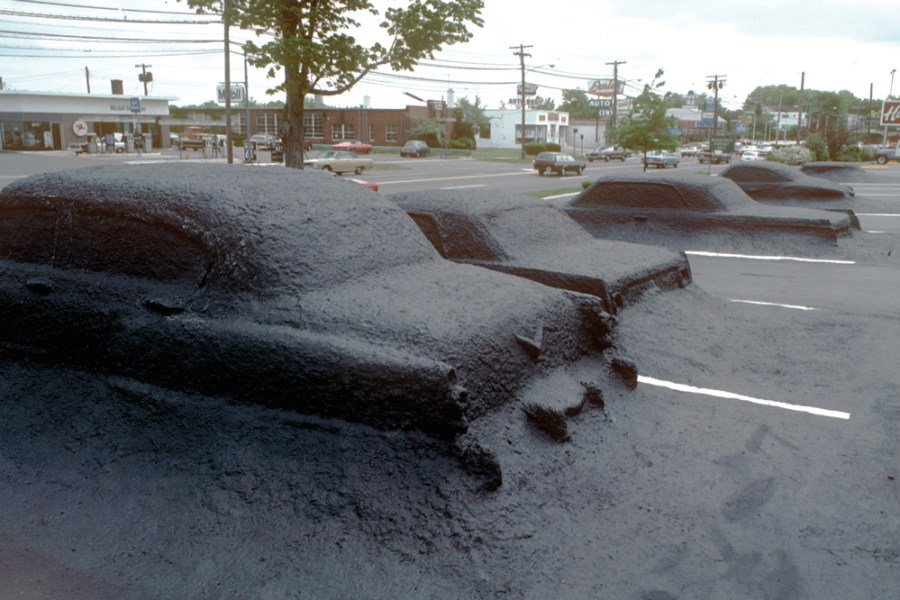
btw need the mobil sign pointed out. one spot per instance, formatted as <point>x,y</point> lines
<point>890,113</point>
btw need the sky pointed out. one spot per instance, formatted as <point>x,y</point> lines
<point>829,45</point>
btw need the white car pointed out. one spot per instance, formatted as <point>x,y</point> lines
<point>749,155</point>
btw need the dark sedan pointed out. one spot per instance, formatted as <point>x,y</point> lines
<point>557,162</point>
<point>534,239</point>
<point>690,210</point>
<point>279,286</point>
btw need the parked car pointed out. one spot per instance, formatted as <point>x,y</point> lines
<point>277,286</point>
<point>751,155</point>
<point>714,157</point>
<point>605,154</point>
<point>558,163</point>
<point>660,159</point>
<point>531,238</point>
<point>883,155</point>
<point>684,211</point>
<point>357,146</point>
<point>689,150</point>
<point>415,148</point>
<point>263,141</point>
<point>341,162</point>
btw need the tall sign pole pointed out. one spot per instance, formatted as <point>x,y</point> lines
<point>521,54</point>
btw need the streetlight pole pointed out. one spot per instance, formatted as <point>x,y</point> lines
<point>521,54</point>
<point>884,137</point>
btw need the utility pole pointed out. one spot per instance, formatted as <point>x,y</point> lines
<point>225,18</point>
<point>715,83</point>
<point>144,77</point>
<point>800,106</point>
<point>521,54</point>
<point>615,102</point>
<point>87,79</point>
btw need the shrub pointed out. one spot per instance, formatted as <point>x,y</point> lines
<point>791,155</point>
<point>532,149</point>
<point>551,147</point>
<point>816,144</point>
<point>462,143</point>
<point>854,153</point>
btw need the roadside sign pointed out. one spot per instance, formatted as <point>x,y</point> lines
<point>890,113</point>
<point>135,105</point>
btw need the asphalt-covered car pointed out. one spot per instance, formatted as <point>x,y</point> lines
<point>766,180</point>
<point>357,146</point>
<point>660,159</point>
<point>784,185</point>
<point>340,162</point>
<point>607,154</point>
<point>557,162</point>
<point>416,148</point>
<point>284,287</point>
<point>687,211</point>
<point>532,238</point>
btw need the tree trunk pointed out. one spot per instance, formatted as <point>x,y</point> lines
<point>294,130</point>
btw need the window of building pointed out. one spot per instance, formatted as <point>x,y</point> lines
<point>390,133</point>
<point>371,134</point>
<point>342,131</point>
<point>314,125</point>
<point>267,123</point>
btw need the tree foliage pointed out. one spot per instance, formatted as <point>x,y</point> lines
<point>577,104</point>
<point>647,129</point>
<point>472,113</point>
<point>314,44</point>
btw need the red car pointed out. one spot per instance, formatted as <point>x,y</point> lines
<point>353,146</point>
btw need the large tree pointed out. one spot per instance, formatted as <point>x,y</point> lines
<point>648,127</point>
<point>314,43</point>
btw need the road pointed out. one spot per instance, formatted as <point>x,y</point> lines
<point>757,458</point>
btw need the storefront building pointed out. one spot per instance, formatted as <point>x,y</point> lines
<point>541,126</point>
<point>50,121</point>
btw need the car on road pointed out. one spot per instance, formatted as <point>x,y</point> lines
<point>557,162</point>
<point>660,159</point>
<point>340,162</point>
<point>529,237</point>
<point>689,150</point>
<point>283,287</point>
<point>884,155</point>
<point>607,154</point>
<point>679,210</point>
<point>357,146</point>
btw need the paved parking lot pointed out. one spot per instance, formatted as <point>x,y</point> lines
<point>757,458</point>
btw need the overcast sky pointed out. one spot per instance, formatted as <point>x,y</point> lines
<point>838,44</point>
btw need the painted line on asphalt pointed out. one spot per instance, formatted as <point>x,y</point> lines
<point>463,187</point>
<point>827,261</point>
<point>878,214</point>
<point>760,303</point>
<point>680,387</point>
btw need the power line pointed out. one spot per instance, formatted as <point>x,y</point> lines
<point>32,15</point>
<point>92,7</point>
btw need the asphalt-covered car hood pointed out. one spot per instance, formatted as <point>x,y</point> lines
<point>313,293</point>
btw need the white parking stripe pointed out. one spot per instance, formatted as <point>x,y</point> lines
<point>680,387</point>
<point>776,258</point>
<point>794,306</point>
